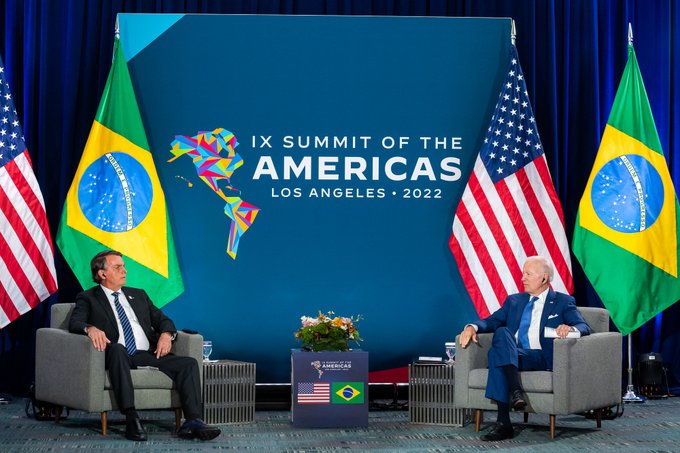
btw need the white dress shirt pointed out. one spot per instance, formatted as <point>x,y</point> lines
<point>534,332</point>
<point>141,341</point>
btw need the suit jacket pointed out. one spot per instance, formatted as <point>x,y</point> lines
<point>93,309</point>
<point>558,309</point>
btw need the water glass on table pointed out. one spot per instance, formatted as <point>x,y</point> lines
<point>450,348</point>
<point>207,350</point>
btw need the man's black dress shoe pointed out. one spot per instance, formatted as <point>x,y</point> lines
<point>198,428</point>
<point>517,400</point>
<point>499,432</point>
<point>134,430</point>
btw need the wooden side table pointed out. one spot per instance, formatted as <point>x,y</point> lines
<point>228,392</point>
<point>430,396</point>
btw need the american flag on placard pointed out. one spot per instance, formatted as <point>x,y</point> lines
<point>27,275</point>
<point>314,393</point>
<point>509,209</point>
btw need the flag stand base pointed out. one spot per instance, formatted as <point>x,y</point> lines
<point>631,397</point>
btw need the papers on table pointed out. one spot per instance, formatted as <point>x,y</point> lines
<point>550,332</point>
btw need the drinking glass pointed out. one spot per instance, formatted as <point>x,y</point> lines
<point>207,350</point>
<point>450,347</point>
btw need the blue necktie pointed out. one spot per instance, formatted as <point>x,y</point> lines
<point>524,323</point>
<point>127,328</point>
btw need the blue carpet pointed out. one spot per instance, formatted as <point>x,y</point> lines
<point>653,426</point>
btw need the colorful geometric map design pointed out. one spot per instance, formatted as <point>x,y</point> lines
<point>204,150</point>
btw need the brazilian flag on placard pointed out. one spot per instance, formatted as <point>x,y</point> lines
<point>116,201</point>
<point>626,233</point>
<point>347,393</point>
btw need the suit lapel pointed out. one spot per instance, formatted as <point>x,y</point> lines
<point>132,300</point>
<point>548,308</point>
<point>522,305</point>
<point>105,305</point>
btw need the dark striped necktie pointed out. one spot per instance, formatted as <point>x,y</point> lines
<point>127,328</point>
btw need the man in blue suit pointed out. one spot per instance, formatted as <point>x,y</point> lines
<point>519,341</point>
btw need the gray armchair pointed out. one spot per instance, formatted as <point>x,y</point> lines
<point>586,374</point>
<point>70,372</point>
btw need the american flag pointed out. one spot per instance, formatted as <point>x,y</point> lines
<point>314,393</point>
<point>27,275</point>
<point>509,209</point>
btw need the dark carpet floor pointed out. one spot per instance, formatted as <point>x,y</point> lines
<point>653,426</point>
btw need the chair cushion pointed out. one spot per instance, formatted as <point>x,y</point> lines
<point>532,381</point>
<point>146,379</point>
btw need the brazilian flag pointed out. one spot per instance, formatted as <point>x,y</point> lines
<point>347,393</point>
<point>116,201</point>
<point>626,233</point>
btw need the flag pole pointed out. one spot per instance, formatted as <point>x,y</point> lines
<point>631,396</point>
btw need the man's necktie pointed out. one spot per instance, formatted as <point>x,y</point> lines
<point>127,328</point>
<point>524,323</point>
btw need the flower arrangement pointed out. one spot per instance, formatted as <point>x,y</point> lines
<point>327,332</point>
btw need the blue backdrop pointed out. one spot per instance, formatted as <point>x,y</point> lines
<point>371,89</point>
<point>58,54</point>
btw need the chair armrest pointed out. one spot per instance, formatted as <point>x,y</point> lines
<point>69,371</point>
<point>190,345</point>
<point>468,359</point>
<point>587,372</point>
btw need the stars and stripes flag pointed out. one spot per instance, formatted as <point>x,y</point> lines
<point>27,275</point>
<point>509,209</point>
<point>314,393</point>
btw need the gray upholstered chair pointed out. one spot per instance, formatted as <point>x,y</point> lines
<point>586,375</point>
<point>70,372</point>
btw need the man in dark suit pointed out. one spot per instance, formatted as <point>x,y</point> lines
<point>133,332</point>
<point>519,341</point>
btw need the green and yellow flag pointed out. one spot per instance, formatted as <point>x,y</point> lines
<point>116,201</point>
<point>347,393</point>
<point>626,233</point>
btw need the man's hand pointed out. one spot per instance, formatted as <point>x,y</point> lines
<point>466,335</point>
<point>98,337</point>
<point>164,345</point>
<point>563,330</point>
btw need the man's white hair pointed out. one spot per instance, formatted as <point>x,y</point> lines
<point>545,264</point>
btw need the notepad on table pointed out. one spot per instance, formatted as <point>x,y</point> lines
<point>551,332</point>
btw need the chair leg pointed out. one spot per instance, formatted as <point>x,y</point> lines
<point>526,417</point>
<point>105,422</point>
<point>178,418</point>
<point>478,419</point>
<point>552,426</point>
<point>57,414</point>
<point>598,417</point>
